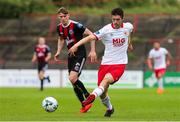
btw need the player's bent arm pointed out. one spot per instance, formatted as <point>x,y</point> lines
<point>85,40</point>
<point>48,57</point>
<point>81,42</point>
<point>130,46</point>
<point>88,32</point>
<point>92,53</point>
<point>60,44</point>
<point>34,58</point>
<point>59,48</point>
<point>149,63</point>
<point>168,58</point>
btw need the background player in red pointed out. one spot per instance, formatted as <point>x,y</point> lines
<point>116,38</point>
<point>70,32</point>
<point>160,57</point>
<point>42,55</point>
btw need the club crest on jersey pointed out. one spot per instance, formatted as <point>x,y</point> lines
<point>77,67</point>
<point>71,32</point>
<point>118,42</point>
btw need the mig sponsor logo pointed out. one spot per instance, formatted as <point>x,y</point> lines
<point>118,42</point>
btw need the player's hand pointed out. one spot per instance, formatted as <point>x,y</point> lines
<point>167,63</point>
<point>130,47</point>
<point>46,59</point>
<point>150,68</point>
<point>56,56</point>
<point>93,56</point>
<point>72,50</point>
<point>33,60</point>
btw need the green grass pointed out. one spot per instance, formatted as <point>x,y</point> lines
<point>24,104</point>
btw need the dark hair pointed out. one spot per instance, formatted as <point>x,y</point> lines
<point>118,11</point>
<point>62,10</point>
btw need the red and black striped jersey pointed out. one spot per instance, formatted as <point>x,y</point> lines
<point>72,33</point>
<point>41,52</point>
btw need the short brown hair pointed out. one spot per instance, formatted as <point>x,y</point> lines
<point>118,11</point>
<point>62,10</point>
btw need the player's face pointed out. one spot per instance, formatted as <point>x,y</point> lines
<point>41,40</point>
<point>64,18</point>
<point>156,45</point>
<point>116,20</point>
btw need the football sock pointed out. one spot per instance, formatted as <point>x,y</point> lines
<point>42,82</point>
<point>160,83</point>
<point>106,101</point>
<point>81,86</point>
<point>78,93</point>
<point>98,91</point>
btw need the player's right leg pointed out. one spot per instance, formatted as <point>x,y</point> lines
<point>44,68</point>
<point>41,77</point>
<point>99,91</point>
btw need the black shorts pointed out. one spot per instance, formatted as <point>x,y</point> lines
<point>42,66</point>
<point>76,64</point>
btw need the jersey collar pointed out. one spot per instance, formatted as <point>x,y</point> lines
<point>112,25</point>
<point>67,24</point>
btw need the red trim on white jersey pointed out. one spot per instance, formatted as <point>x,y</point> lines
<point>122,25</point>
<point>96,37</point>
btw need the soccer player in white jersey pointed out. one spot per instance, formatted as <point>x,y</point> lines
<point>160,57</point>
<point>116,38</point>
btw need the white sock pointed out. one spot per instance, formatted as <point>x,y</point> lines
<point>160,83</point>
<point>98,91</point>
<point>106,101</point>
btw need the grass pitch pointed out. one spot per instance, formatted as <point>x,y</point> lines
<point>24,104</point>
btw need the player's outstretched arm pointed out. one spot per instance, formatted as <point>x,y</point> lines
<point>59,48</point>
<point>81,42</point>
<point>92,54</point>
<point>48,57</point>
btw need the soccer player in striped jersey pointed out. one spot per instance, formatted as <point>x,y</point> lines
<point>70,32</point>
<point>42,55</point>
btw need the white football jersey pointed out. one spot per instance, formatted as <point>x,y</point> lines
<point>116,43</point>
<point>159,57</point>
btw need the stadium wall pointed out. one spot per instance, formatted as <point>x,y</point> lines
<point>59,78</point>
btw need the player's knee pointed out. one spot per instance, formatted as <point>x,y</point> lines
<point>159,76</point>
<point>108,79</point>
<point>41,75</point>
<point>73,79</point>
